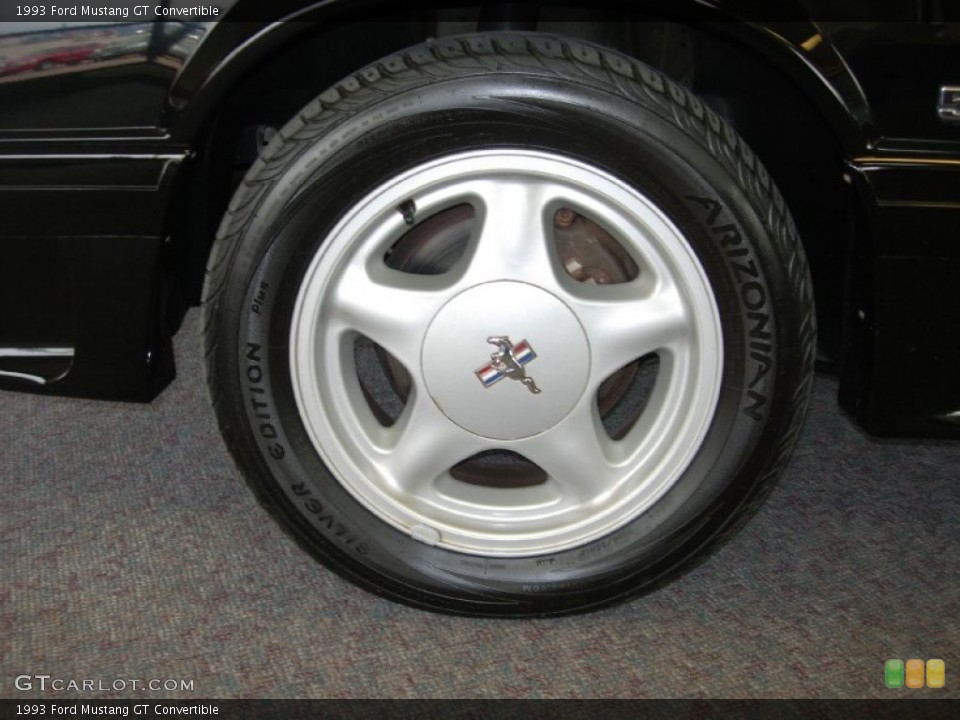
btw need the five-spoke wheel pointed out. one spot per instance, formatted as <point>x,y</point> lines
<point>505,278</point>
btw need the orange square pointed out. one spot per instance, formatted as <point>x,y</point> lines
<point>914,673</point>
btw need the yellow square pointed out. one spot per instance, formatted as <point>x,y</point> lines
<point>936,673</point>
<point>914,673</point>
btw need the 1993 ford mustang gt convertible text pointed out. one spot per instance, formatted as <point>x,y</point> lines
<point>509,309</point>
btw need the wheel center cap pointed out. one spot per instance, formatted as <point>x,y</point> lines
<point>505,360</point>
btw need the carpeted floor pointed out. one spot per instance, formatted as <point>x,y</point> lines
<point>131,550</point>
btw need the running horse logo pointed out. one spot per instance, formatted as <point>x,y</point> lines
<point>508,362</point>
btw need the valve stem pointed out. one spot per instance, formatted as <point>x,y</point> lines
<point>408,210</point>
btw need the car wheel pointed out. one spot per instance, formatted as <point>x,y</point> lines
<point>508,325</point>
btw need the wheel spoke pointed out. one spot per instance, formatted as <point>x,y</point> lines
<point>624,324</point>
<point>514,242</point>
<point>392,308</point>
<point>573,455</point>
<point>422,446</point>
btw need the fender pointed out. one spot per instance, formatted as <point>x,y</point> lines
<point>804,53</point>
<point>796,46</point>
<point>248,33</point>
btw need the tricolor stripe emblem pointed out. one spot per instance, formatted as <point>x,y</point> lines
<point>507,362</point>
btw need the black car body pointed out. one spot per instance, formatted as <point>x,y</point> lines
<point>118,163</point>
<point>113,173</point>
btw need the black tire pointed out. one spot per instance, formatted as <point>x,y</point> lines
<point>563,99</point>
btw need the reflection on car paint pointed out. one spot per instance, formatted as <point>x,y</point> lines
<point>29,50</point>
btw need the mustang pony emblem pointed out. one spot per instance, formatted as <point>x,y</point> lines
<point>508,362</point>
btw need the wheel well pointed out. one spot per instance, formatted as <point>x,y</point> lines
<point>782,125</point>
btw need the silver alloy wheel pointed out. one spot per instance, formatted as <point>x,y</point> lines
<point>509,282</point>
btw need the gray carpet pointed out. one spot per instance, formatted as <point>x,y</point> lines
<point>132,551</point>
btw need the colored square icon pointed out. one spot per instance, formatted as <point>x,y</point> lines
<point>936,673</point>
<point>914,673</point>
<point>893,673</point>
